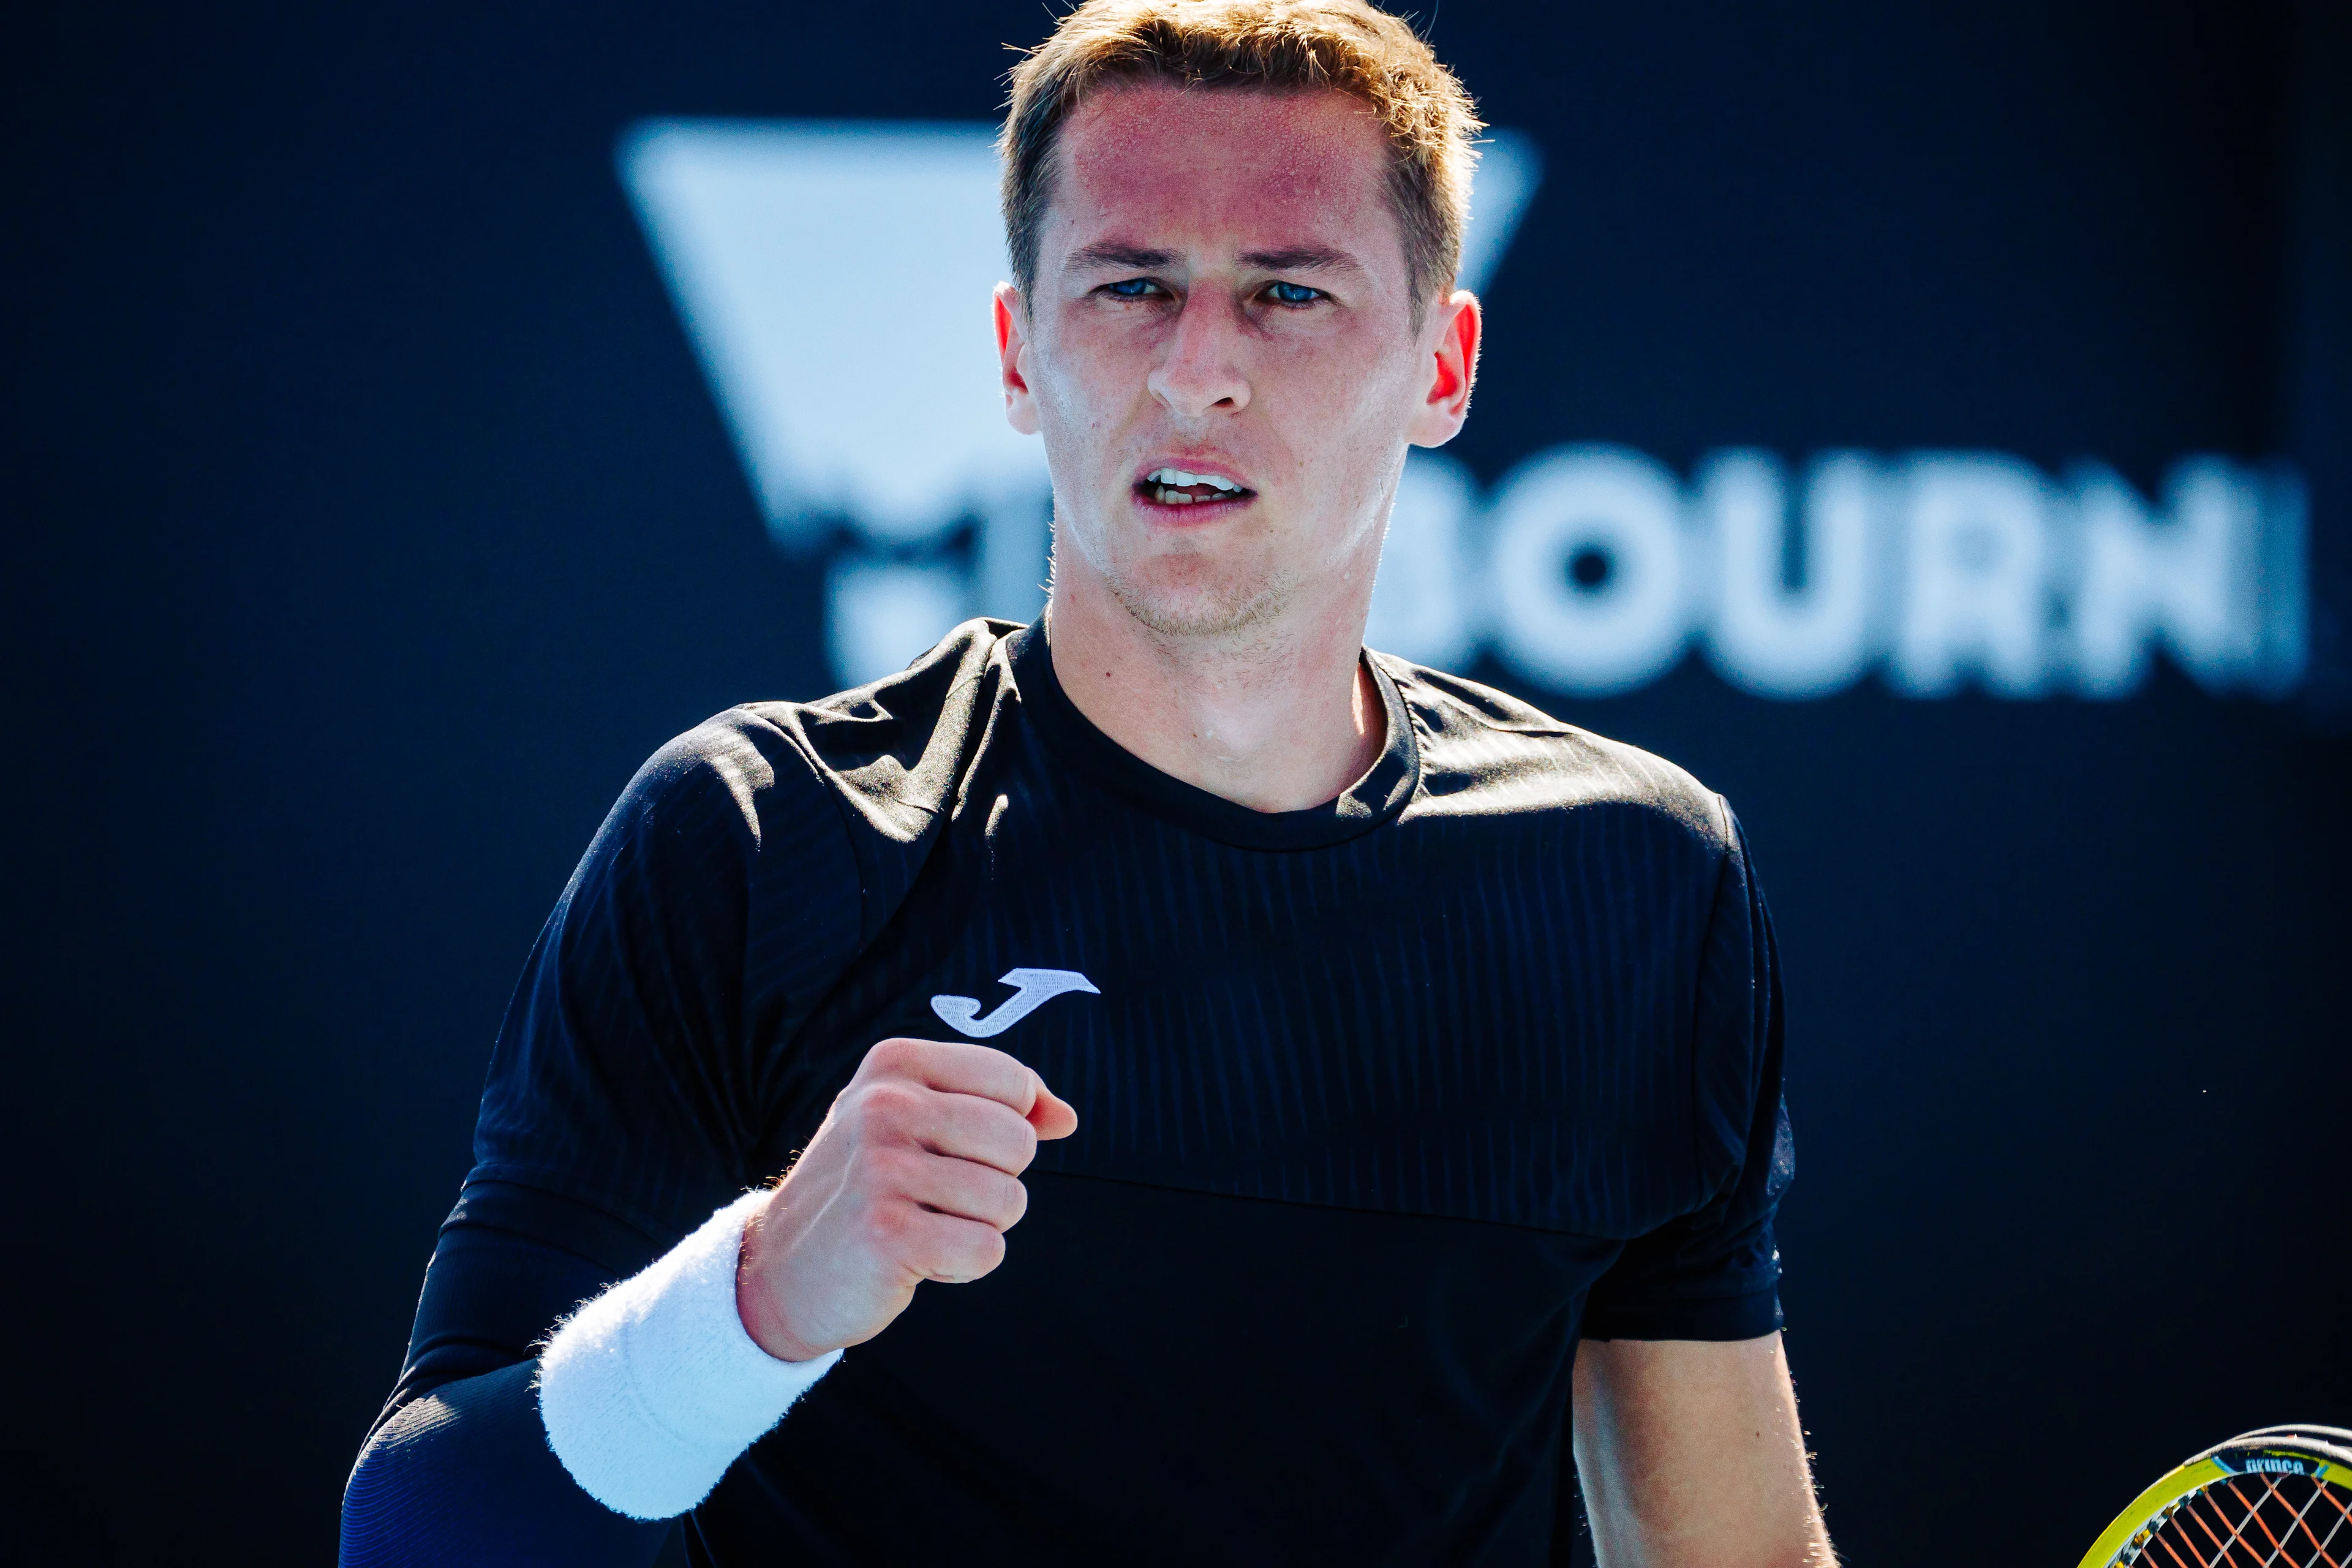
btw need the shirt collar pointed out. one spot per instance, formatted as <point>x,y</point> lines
<point>1372,800</point>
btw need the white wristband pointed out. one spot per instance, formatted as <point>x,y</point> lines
<point>650,1391</point>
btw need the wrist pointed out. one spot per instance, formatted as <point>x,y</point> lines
<point>650,1391</point>
<point>756,1305</point>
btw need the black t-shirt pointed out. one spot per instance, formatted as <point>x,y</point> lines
<point>1382,1105</point>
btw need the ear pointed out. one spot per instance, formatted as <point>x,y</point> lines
<point>1451,340</point>
<point>1020,403</point>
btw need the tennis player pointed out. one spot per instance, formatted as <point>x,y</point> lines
<point>1164,1084</point>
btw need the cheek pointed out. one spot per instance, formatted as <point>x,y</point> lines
<point>1085,375</point>
<point>1360,402</point>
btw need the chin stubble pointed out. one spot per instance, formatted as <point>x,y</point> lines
<point>1212,614</point>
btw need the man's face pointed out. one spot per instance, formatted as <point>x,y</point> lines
<point>1220,351</point>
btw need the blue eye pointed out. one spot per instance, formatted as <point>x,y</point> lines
<point>1293,293</point>
<point>1130,289</point>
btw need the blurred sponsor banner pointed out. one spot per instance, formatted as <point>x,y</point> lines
<point>835,279</point>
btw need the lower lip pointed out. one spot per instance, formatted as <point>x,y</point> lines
<point>1189,511</point>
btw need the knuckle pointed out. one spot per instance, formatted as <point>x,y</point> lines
<point>1004,1138</point>
<point>994,1199</point>
<point>894,1056</point>
<point>890,1225</point>
<point>883,1167</point>
<point>890,1108</point>
<point>972,1251</point>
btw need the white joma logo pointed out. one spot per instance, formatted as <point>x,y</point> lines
<point>1033,988</point>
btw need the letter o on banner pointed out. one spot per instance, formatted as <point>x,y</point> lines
<point>1586,569</point>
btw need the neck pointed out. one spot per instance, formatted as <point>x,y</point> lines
<point>1275,718</point>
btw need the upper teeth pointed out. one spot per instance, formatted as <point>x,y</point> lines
<point>1177,479</point>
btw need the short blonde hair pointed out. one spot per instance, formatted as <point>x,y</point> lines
<point>1277,45</point>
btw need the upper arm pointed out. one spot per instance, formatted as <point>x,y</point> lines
<point>1714,1272</point>
<point>1691,1455</point>
<point>636,1066</point>
<point>1685,1436</point>
<point>633,1067</point>
<point>629,1082</point>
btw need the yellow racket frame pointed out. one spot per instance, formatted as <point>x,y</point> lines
<point>2147,1510</point>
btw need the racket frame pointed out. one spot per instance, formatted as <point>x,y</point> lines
<point>2324,1448</point>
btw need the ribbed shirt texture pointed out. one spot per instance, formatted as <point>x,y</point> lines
<point>1382,1106</point>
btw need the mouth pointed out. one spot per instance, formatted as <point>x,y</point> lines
<point>1174,487</point>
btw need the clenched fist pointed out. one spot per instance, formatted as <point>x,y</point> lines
<point>915,1175</point>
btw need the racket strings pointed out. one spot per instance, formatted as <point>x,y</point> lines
<point>2319,1554</point>
<point>2220,1526</point>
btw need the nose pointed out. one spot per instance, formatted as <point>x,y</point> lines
<point>1199,370</point>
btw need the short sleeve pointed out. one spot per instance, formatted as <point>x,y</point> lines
<point>636,1059</point>
<point>1715,1273</point>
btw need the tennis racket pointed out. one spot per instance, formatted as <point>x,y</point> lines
<point>2279,1498</point>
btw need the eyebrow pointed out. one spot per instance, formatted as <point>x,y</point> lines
<point>1291,259</point>
<point>1301,259</point>
<point>1118,257</point>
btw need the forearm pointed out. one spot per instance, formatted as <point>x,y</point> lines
<point>1691,1455</point>
<point>464,1475</point>
<point>630,1414</point>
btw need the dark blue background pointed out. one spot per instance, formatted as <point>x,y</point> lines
<point>369,520</point>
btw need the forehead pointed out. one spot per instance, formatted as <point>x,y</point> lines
<point>1205,164</point>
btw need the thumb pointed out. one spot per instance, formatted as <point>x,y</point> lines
<point>1051,1115</point>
